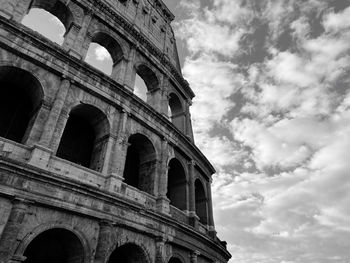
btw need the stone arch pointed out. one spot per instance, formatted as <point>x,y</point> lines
<point>176,259</point>
<point>57,8</point>
<point>201,201</point>
<point>31,69</point>
<point>85,136</point>
<point>97,27</point>
<point>112,45</point>
<point>148,75</point>
<point>54,243</point>
<point>177,113</point>
<point>21,97</point>
<point>129,253</point>
<point>66,14</point>
<point>177,184</point>
<point>140,163</point>
<point>50,225</point>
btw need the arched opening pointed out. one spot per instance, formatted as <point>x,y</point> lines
<point>128,253</point>
<point>85,137</point>
<point>177,113</point>
<point>174,260</point>
<point>52,19</point>
<point>20,100</point>
<point>55,246</point>
<point>104,53</point>
<point>177,183</point>
<point>201,202</point>
<point>145,81</point>
<point>140,89</point>
<point>140,163</point>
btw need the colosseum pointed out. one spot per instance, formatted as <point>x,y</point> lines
<point>89,171</point>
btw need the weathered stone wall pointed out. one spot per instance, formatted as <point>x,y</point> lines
<point>43,191</point>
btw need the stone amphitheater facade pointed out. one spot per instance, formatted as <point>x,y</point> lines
<point>89,172</point>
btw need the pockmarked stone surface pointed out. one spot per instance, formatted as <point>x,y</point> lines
<point>90,172</point>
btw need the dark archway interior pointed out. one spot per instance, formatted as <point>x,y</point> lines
<point>20,99</point>
<point>55,246</point>
<point>140,163</point>
<point>177,185</point>
<point>77,141</point>
<point>84,137</point>
<point>201,202</point>
<point>174,260</point>
<point>177,113</point>
<point>128,253</point>
<point>132,166</point>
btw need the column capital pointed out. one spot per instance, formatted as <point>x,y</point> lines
<point>105,223</point>
<point>16,200</point>
<point>161,239</point>
<point>194,255</point>
<point>192,163</point>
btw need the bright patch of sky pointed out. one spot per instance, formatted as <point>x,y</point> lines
<point>99,57</point>
<point>53,29</point>
<point>140,88</point>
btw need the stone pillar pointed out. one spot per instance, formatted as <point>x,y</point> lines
<point>59,129</point>
<point>108,154</point>
<point>55,112</point>
<point>42,152</point>
<point>162,200</point>
<point>194,219</point>
<point>70,37</point>
<point>188,123</point>
<point>104,241</point>
<point>110,144</point>
<point>85,45</point>
<point>118,156</point>
<point>160,250</point>
<point>76,47</point>
<point>194,256</point>
<point>154,98</point>
<point>129,78</point>
<point>35,126</point>
<point>158,98</point>
<point>12,228</point>
<point>119,69</point>
<point>212,231</point>
<point>164,103</point>
<point>22,8</point>
<point>14,9</point>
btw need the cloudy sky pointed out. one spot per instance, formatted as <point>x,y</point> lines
<point>272,113</point>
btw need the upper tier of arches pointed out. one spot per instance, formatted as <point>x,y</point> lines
<point>101,46</point>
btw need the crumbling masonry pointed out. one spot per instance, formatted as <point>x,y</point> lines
<point>89,172</point>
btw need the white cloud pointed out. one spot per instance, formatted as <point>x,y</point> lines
<point>337,21</point>
<point>213,82</point>
<point>210,37</point>
<point>102,53</point>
